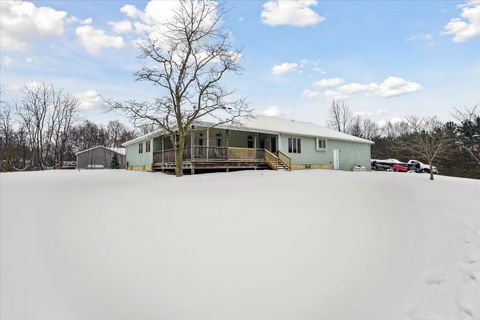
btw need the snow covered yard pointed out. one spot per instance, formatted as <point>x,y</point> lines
<point>247,245</point>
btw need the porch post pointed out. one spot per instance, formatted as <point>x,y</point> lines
<point>192,169</point>
<point>163,147</point>
<point>191,145</point>
<point>279,142</point>
<point>208,142</point>
<point>255,145</point>
<point>151,154</point>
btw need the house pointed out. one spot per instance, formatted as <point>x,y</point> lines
<point>258,142</point>
<point>100,157</point>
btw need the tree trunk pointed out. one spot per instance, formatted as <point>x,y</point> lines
<point>179,155</point>
<point>431,169</point>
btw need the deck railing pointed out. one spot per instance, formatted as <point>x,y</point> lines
<point>271,160</point>
<point>212,154</point>
<point>286,160</point>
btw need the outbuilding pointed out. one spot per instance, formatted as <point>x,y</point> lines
<point>100,157</point>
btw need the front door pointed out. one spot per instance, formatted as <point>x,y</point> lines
<point>336,159</point>
<point>273,145</point>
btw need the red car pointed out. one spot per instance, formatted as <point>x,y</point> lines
<point>399,168</point>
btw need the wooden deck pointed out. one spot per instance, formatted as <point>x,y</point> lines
<point>210,158</point>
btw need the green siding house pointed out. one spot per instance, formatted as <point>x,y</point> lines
<point>258,142</point>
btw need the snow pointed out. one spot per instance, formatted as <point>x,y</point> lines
<point>120,151</point>
<point>295,127</point>
<point>313,244</point>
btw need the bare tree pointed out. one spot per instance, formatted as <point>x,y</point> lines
<point>426,138</point>
<point>339,116</point>
<point>187,61</point>
<point>363,128</point>
<point>6,135</point>
<point>468,131</point>
<point>47,114</point>
<point>117,133</point>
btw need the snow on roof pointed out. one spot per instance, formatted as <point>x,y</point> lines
<point>150,135</point>
<point>120,151</point>
<point>295,127</point>
<point>274,125</point>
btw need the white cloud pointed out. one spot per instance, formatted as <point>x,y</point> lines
<point>296,13</point>
<point>272,111</point>
<point>390,87</point>
<point>285,67</point>
<point>13,87</point>
<point>325,83</point>
<point>33,85</point>
<point>89,100</point>
<point>335,95</point>
<point>122,26</point>
<point>378,112</point>
<point>31,60</point>
<point>423,37</point>
<point>310,94</point>
<point>7,61</point>
<point>150,20</point>
<point>130,11</point>
<point>468,25</point>
<point>21,23</point>
<point>78,20</point>
<point>393,86</point>
<point>353,87</point>
<point>94,40</point>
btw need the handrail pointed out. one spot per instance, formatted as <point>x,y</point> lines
<point>286,160</point>
<point>271,160</point>
<point>235,153</point>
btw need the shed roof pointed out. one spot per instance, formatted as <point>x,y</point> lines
<point>273,125</point>
<point>120,151</point>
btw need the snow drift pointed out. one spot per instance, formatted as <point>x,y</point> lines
<point>247,245</point>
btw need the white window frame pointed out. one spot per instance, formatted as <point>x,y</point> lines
<point>296,143</point>
<point>140,148</point>
<point>317,145</point>
<point>147,146</point>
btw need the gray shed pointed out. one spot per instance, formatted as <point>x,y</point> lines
<point>100,157</point>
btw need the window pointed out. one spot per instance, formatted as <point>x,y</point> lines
<point>219,139</point>
<point>140,147</point>
<point>200,139</point>
<point>147,146</point>
<point>321,144</point>
<point>294,145</point>
<point>249,142</point>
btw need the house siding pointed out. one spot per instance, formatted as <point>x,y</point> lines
<point>351,153</point>
<point>139,161</point>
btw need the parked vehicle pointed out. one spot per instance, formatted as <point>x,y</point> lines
<point>399,168</point>
<point>421,167</point>
<point>385,164</point>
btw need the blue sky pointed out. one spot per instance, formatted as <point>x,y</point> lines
<point>386,60</point>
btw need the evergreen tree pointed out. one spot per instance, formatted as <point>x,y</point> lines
<point>115,164</point>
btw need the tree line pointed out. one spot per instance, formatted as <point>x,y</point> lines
<point>452,146</point>
<point>42,130</point>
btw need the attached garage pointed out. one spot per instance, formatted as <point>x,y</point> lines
<point>100,157</point>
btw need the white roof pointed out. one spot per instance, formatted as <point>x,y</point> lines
<point>120,151</point>
<point>273,125</point>
<point>295,127</point>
